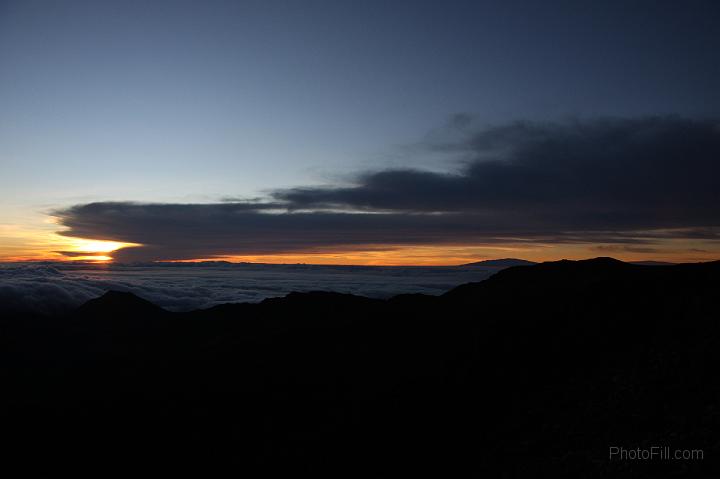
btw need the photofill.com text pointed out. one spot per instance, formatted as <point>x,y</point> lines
<point>655,453</point>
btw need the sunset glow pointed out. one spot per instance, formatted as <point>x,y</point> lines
<point>98,246</point>
<point>37,241</point>
<point>285,151</point>
<point>452,255</point>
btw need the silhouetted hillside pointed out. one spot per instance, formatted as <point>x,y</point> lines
<point>502,263</point>
<point>537,370</point>
<point>115,303</point>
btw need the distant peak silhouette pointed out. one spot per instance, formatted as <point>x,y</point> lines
<point>551,274</point>
<point>503,263</point>
<point>119,303</point>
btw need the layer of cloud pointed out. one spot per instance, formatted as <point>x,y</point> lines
<point>625,181</point>
<point>623,173</point>
<point>80,254</point>
<point>59,287</point>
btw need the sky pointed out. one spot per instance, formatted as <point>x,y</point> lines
<point>375,132</point>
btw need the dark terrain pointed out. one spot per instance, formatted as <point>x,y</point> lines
<point>535,371</point>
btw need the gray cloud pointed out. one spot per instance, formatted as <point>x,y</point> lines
<point>41,289</point>
<point>79,254</point>
<point>625,181</point>
<point>59,287</point>
<point>624,248</point>
<point>195,231</point>
<point>627,173</point>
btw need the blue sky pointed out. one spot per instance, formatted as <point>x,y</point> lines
<point>179,101</point>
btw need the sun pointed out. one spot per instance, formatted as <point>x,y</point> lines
<point>81,249</point>
<point>98,246</point>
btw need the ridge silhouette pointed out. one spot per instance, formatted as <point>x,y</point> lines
<point>537,370</point>
<point>504,262</point>
<point>118,303</point>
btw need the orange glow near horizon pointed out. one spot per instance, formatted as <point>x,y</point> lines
<point>19,244</point>
<point>458,255</point>
<point>42,243</point>
<point>388,255</point>
<point>72,249</point>
<point>99,251</point>
<point>98,246</point>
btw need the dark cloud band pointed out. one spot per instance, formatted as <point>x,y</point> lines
<point>624,181</point>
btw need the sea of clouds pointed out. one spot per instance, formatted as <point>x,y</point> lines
<point>58,287</point>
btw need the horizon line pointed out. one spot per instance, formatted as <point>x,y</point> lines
<point>471,263</point>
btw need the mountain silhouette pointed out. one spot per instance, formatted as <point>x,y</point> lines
<point>117,303</point>
<point>501,263</point>
<point>536,371</point>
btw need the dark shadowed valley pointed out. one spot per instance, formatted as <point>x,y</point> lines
<point>537,370</point>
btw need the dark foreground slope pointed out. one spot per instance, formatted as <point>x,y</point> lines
<point>540,369</point>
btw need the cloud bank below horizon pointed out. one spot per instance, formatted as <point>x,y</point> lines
<point>59,287</point>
